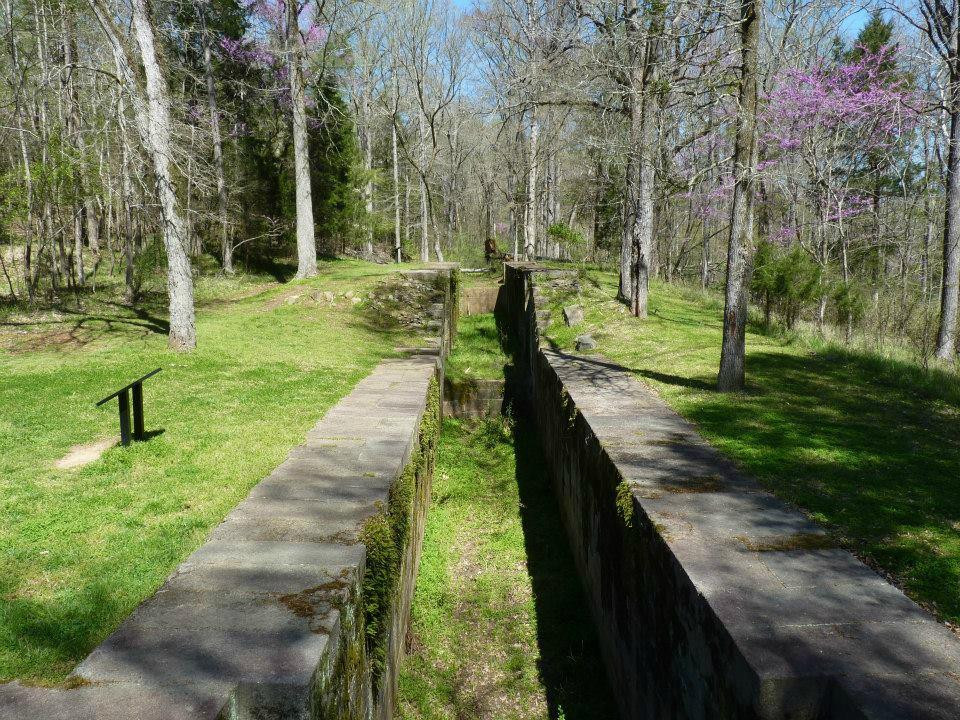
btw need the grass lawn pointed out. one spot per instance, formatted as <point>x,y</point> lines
<point>478,353</point>
<point>79,549</point>
<point>867,446</point>
<point>499,628</point>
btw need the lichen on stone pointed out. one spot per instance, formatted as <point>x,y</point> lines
<point>793,541</point>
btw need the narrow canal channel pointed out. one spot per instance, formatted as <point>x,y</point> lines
<point>500,628</point>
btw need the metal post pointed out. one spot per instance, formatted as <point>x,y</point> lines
<point>138,411</point>
<point>124,401</point>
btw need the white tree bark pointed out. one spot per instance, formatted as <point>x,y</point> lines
<point>368,167</point>
<point>152,113</point>
<point>950,289</point>
<point>183,335</point>
<point>530,216</point>
<point>424,201</point>
<point>396,193</point>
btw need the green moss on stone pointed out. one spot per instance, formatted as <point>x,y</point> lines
<point>456,285</point>
<point>625,503</point>
<point>338,693</point>
<point>386,536</point>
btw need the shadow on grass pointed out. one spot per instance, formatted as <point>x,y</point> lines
<point>668,379</point>
<point>571,670</point>
<point>78,326</point>
<point>280,270</point>
<point>866,445</point>
<point>60,632</point>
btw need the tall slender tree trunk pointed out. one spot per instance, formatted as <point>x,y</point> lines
<point>183,334</point>
<point>424,201</point>
<point>152,111</point>
<point>306,237</point>
<point>928,212</point>
<point>75,135</point>
<point>731,375</point>
<point>406,208</point>
<point>950,289</point>
<point>641,209</point>
<point>368,166</point>
<point>530,215</point>
<point>129,242</point>
<point>226,242</point>
<point>632,171</point>
<point>396,193</point>
<point>24,154</point>
<point>627,245</point>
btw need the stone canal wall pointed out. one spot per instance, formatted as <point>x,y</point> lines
<point>296,607</point>
<point>712,598</point>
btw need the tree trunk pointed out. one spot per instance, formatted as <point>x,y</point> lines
<point>643,132</point>
<point>226,244</point>
<point>368,167</point>
<point>705,258</point>
<point>947,333</point>
<point>396,183</point>
<point>75,134</point>
<point>424,210</point>
<point>152,112</point>
<point>183,334</point>
<point>530,216</point>
<point>424,222</point>
<point>126,193</point>
<point>406,208</point>
<point>306,239</point>
<point>928,212</point>
<point>731,375</point>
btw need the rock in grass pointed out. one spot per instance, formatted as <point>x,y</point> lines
<point>586,342</point>
<point>573,315</point>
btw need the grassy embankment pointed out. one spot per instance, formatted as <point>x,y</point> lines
<point>80,548</point>
<point>499,627</point>
<point>867,446</point>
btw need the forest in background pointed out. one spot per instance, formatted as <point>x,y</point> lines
<point>144,139</point>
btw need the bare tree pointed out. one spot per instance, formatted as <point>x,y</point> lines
<point>152,112</point>
<point>306,232</point>
<point>731,375</point>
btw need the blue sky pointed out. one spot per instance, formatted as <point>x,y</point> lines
<point>849,27</point>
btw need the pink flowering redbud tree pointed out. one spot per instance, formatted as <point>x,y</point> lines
<point>821,126</point>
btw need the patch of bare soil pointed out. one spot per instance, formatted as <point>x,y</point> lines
<point>21,341</point>
<point>85,453</point>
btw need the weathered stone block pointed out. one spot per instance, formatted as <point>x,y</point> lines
<point>573,315</point>
<point>585,342</point>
